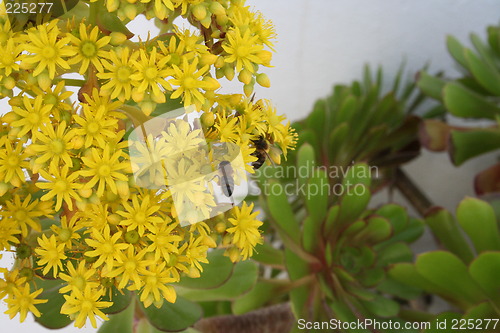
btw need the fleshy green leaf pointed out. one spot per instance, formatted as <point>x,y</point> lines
<point>431,85</point>
<point>120,299</point>
<point>173,317</point>
<point>51,316</point>
<point>486,74</point>
<point>484,270</point>
<point>478,220</point>
<point>444,226</point>
<point>462,102</point>
<point>469,144</point>
<point>215,273</point>
<point>451,275</point>
<point>382,307</point>
<point>243,279</point>
<point>121,322</point>
<point>257,297</point>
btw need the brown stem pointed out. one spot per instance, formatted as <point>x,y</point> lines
<point>412,192</point>
<point>273,319</point>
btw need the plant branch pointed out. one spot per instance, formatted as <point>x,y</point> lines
<point>412,192</point>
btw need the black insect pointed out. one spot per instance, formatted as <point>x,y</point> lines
<point>226,178</point>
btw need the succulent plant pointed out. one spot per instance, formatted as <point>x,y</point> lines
<point>337,255</point>
<point>465,272</point>
<point>473,96</point>
<point>361,122</point>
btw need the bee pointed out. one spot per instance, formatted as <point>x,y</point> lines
<point>226,178</point>
<point>261,152</point>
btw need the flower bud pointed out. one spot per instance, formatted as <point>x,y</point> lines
<point>208,59</point>
<point>265,56</point>
<point>219,63</point>
<point>44,80</point>
<point>263,80</point>
<point>210,83</point>
<point>245,76</point>
<point>217,9</point>
<point>248,89</point>
<point>229,72</point>
<point>207,119</point>
<point>199,12</point>
<point>117,38</point>
<point>9,82</point>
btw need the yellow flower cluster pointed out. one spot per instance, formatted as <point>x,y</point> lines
<point>70,209</point>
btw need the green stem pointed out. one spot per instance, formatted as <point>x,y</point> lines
<point>72,82</point>
<point>94,9</point>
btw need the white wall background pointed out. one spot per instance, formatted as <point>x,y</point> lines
<point>322,42</point>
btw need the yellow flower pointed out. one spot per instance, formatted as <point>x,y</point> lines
<point>96,127</point>
<point>155,286</point>
<point>105,169</point>
<point>245,229</point>
<point>55,96</point>
<point>81,305</point>
<point>164,241</point>
<point>194,252</point>
<point>47,48</point>
<point>8,232</point>
<point>10,282</point>
<point>105,246</point>
<point>119,73</point>
<point>187,77</point>
<point>23,213</point>
<point>67,231</point>
<point>79,278</point>
<point>150,76</point>
<point>88,48</point>
<point>32,116</point>
<point>11,55</point>
<point>179,138</point>
<point>128,267</point>
<point>227,127</point>
<point>12,162</point>
<point>243,49</point>
<point>141,214</point>
<point>50,254</point>
<point>53,145</point>
<point>24,301</point>
<point>60,185</point>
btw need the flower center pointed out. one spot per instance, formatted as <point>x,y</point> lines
<point>93,127</point>
<point>189,82</point>
<point>8,60</point>
<point>34,118</point>
<point>60,186</point>
<point>50,99</point>
<point>64,235</point>
<point>130,266</point>
<point>123,74</point>
<point>13,161</point>
<point>151,73</point>
<point>58,146</point>
<point>88,49</point>
<point>21,215</point>
<point>242,51</point>
<point>49,52</point>
<point>104,170</point>
<point>79,282</point>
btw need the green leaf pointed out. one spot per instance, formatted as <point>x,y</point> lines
<point>317,207</point>
<point>486,74</point>
<point>109,22</point>
<point>268,255</point>
<point>282,212</point>
<point>121,322</point>
<point>396,288</point>
<point>484,270</point>
<point>397,252</point>
<point>121,300</point>
<point>431,85</point>
<point>317,118</point>
<point>469,144</point>
<point>243,279</point>
<point>258,296</point>
<point>353,205</point>
<point>396,214</point>
<point>376,230</point>
<point>478,220</point>
<point>337,140</point>
<point>51,316</point>
<point>173,317</point>
<point>297,269</point>
<point>382,307</point>
<point>359,173</point>
<point>451,275</point>
<point>462,102</point>
<point>215,273</point>
<point>457,50</point>
<point>446,229</point>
